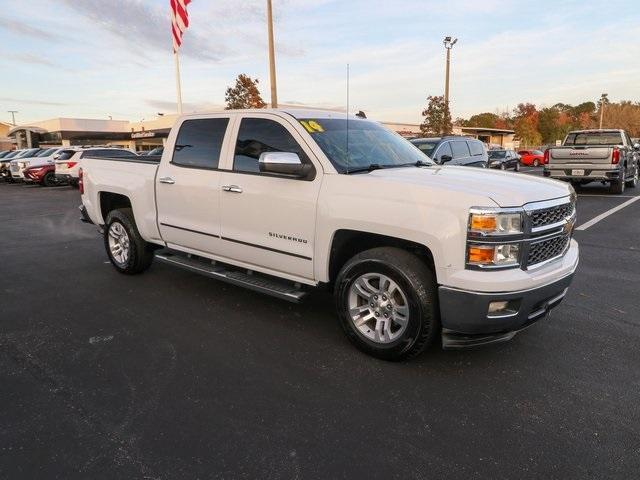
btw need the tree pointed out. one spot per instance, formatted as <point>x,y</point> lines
<point>245,94</point>
<point>486,120</point>
<point>437,117</point>
<point>526,124</point>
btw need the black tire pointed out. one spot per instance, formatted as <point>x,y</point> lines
<point>536,163</point>
<point>140,253</point>
<point>416,281</point>
<point>517,167</point>
<point>616,187</point>
<point>49,180</point>
<point>503,166</point>
<point>633,181</point>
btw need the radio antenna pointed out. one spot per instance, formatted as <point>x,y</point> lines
<point>347,112</point>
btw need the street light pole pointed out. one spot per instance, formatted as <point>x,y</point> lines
<point>603,99</point>
<point>448,45</point>
<point>272,57</point>
<point>13,116</point>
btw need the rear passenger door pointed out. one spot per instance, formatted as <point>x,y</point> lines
<point>479,157</point>
<point>188,185</point>
<point>461,154</point>
<point>269,220</point>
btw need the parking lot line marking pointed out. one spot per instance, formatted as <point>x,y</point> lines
<point>604,215</point>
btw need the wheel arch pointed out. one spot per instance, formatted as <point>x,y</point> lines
<point>348,243</point>
<point>110,201</point>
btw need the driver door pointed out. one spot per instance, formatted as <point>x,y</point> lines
<point>269,220</point>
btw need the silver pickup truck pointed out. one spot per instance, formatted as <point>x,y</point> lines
<point>607,156</point>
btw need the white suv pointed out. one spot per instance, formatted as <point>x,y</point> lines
<point>68,160</point>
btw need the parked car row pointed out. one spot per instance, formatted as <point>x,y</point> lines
<point>51,166</point>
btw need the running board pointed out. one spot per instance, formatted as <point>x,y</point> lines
<point>253,281</point>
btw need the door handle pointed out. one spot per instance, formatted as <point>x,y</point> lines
<point>167,180</point>
<point>232,188</point>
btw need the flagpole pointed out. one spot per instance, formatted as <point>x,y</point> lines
<point>178,86</point>
<point>272,57</point>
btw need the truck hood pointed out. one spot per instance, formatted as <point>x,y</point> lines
<point>503,188</point>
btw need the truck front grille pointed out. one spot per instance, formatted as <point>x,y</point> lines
<point>15,167</point>
<point>549,216</point>
<point>547,249</point>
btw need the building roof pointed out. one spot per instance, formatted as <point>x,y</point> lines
<point>484,129</point>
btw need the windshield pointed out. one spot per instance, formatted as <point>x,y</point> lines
<point>46,153</point>
<point>12,154</point>
<point>498,154</point>
<point>594,138</point>
<point>369,144</point>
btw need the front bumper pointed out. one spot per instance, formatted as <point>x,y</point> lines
<point>466,321</point>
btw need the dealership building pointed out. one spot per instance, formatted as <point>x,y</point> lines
<point>149,134</point>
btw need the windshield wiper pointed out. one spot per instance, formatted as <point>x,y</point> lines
<point>368,168</point>
<point>422,163</point>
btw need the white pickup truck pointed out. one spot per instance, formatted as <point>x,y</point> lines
<point>282,201</point>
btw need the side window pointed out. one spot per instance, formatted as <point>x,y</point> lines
<point>444,149</point>
<point>259,135</point>
<point>65,154</point>
<point>476,148</point>
<point>460,149</point>
<point>199,143</point>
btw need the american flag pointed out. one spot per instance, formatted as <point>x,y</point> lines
<point>179,21</point>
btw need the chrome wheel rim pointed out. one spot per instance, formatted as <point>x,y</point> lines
<point>118,243</point>
<point>378,308</point>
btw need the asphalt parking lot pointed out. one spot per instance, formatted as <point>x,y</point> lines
<point>173,375</point>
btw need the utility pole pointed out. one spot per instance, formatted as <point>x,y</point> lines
<point>603,100</point>
<point>272,57</point>
<point>448,45</point>
<point>13,116</point>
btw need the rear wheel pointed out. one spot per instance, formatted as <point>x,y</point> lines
<point>503,166</point>
<point>633,181</point>
<point>127,250</point>
<point>536,163</point>
<point>387,303</point>
<point>517,167</point>
<point>617,187</point>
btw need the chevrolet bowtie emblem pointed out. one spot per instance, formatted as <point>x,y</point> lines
<point>568,226</point>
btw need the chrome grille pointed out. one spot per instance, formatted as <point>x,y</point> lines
<point>549,216</point>
<point>15,167</point>
<point>546,250</point>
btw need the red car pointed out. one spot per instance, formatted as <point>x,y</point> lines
<point>45,175</point>
<point>531,157</point>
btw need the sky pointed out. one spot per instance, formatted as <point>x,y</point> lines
<point>113,58</point>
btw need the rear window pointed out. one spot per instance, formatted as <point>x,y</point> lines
<point>199,143</point>
<point>66,154</point>
<point>460,149</point>
<point>594,138</point>
<point>476,147</point>
<point>497,154</point>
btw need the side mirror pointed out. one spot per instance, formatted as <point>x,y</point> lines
<point>445,159</point>
<point>283,163</point>
<point>636,146</point>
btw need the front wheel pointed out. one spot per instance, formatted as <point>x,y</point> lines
<point>387,303</point>
<point>517,167</point>
<point>49,180</point>
<point>127,250</point>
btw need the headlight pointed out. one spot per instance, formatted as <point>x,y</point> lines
<point>505,255</point>
<point>495,223</point>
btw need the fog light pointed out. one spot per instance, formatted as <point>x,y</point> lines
<point>497,307</point>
